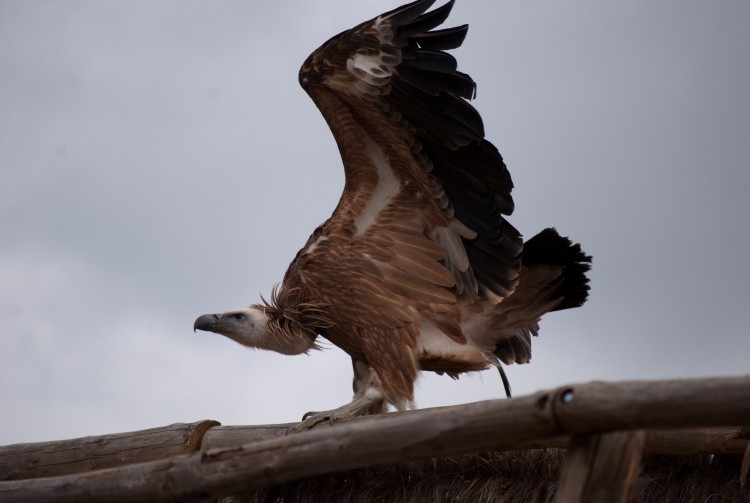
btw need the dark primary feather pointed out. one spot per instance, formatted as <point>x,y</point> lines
<point>408,12</point>
<point>435,61</point>
<point>442,118</point>
<point>423,23</point>
<point>436,82</point>
<point>442,40</point>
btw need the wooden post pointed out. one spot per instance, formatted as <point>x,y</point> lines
<point>601,468</point>
<point>745,467</point>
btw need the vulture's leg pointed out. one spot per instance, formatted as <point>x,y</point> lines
<point>368,399</point>
<point>506,382</point>
<point>493,360</point>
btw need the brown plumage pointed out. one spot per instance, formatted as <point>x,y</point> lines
<point>417,268</point>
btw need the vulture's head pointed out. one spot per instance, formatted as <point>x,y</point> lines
<point>250,327</point>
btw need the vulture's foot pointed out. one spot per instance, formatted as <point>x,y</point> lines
<point>370,402</point>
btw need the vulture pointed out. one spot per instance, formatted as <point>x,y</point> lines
<point>417,269</point>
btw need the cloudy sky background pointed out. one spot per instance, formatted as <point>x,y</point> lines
<point>158,161</point>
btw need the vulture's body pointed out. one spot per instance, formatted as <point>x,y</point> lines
<point>417,268</point>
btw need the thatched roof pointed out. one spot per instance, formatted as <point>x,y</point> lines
<point>506,477</point>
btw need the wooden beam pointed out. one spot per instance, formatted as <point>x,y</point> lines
<point>601,406</point>
<point>696,441</point>
<point>46,459</point>
<point>682,442</point>
<point>745,467</point>
<point>392,438</point>
<point>601,468</point>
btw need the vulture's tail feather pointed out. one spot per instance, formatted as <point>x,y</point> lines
<point>548,247</point>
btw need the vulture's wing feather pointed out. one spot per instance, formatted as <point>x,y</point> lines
<point>391,72</point>
<point>422,24</point>
<point>407,13</point>
<point>441,40</point>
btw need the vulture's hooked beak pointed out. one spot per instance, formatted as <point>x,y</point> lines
<point>206,322</point>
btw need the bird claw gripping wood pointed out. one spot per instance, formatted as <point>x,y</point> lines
<point>310,419</point>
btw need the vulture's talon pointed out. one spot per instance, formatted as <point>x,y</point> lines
<point>308,414</point>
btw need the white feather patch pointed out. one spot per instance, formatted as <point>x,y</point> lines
<point>386,189</point>
<point>370,69</point>
<point>433,342</point>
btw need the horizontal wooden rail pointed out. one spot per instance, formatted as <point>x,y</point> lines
<point>391,438</point>
<point>680,442</point>
<point>63,457</point>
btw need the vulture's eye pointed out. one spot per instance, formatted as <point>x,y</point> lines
<point>238,316</point>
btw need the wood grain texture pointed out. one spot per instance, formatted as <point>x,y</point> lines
<point>45,459</point>
<point>601,468</point>
<point>745,467</point>
<point>682,442</point>
<point>63,457</point>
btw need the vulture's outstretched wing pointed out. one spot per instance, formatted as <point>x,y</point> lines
<point>391,79</point>
<point>420,222</point>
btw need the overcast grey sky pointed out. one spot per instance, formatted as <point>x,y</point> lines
<point>158,161</point>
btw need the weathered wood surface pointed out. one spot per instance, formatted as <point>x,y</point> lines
<point>45,459</point>
<point>697,441</point>
<point>682,442</point>
<point>745,467</point>
<point>601,468</point>
<point>391,438</point>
